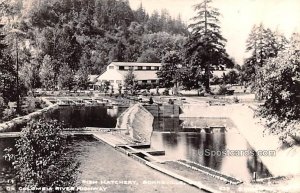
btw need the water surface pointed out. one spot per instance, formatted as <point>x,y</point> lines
<point>208,148</point>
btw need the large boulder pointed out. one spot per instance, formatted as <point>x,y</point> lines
<point>138,123</point>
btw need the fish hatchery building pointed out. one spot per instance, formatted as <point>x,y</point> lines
<point>145,73</point>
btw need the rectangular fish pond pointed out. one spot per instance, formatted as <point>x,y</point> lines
<point>222,149</point>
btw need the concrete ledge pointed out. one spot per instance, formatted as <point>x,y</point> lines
<point>211,172</point>
<point>182,178</point>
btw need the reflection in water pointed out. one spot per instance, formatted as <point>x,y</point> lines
<point>89,116</point>
<point>207,149</point>
<point>168,136</point>
<point>83,116</point>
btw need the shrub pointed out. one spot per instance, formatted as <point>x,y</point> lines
<point>171,101</point>
<point>216,80</point>
<point>9,113</point>
<point>91,94</point>
<point>31,104</point>
<point>222,90</point>
<point>151,101</point>
<point>236,100</point>
<point>166,92</point>
<point>2,107</point>
<point>42,159</point>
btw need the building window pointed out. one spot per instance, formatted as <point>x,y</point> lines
<point>128,67</point>
<point>144,81</point>
<point>148,67</point>
<point>111,67</point>
<point>119,81</point>
<point>153,81</point>
<point>140,67</point>
<point>121,67</point>
<point>156,68</point>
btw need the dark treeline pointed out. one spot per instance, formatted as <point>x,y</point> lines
<point>81,37</point>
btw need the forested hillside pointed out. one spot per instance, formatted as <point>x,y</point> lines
<point>80,37</point>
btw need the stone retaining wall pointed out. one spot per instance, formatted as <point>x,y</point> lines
<point>20,121</point>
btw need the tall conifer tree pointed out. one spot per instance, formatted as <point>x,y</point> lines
<point>206,46</point>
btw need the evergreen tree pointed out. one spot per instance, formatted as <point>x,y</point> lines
<point>154,24</point>
<point>2,44</point>
<point>262,43</point>
<point>129,81</point>
<point>279,83</point>
<point>206,46</point>
<point>66,77</point>
<point>7,72</point>
<point>169,73</point>
<point>47,74</point>
<point>149,56</point>
<point>106,30</point>
<point>140,14</point>
<point>29,74</point>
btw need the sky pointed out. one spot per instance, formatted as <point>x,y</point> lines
<point>238,17</point>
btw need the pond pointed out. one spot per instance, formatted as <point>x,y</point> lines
<point>206,148</point>
<point>82,116</point>
<point>89,116</point>
<point>168,135</point>
<point>102,167</point>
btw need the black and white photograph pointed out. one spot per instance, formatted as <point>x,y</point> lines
<point>149,96</point>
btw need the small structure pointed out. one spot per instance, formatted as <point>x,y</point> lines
<point>222,70</point>
<point>145,73</point>
<point>92,81</point>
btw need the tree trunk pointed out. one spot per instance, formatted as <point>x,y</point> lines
<point>207,85</point>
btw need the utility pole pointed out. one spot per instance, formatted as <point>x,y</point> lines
<point>17,64</point>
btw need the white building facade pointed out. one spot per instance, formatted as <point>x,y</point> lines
<point>145,73</point>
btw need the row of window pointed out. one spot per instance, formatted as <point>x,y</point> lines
<point>136,68</point>
<point>140,81</point>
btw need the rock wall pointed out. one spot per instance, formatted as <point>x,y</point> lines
<point>19,121</point>
<point>138,123</point>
